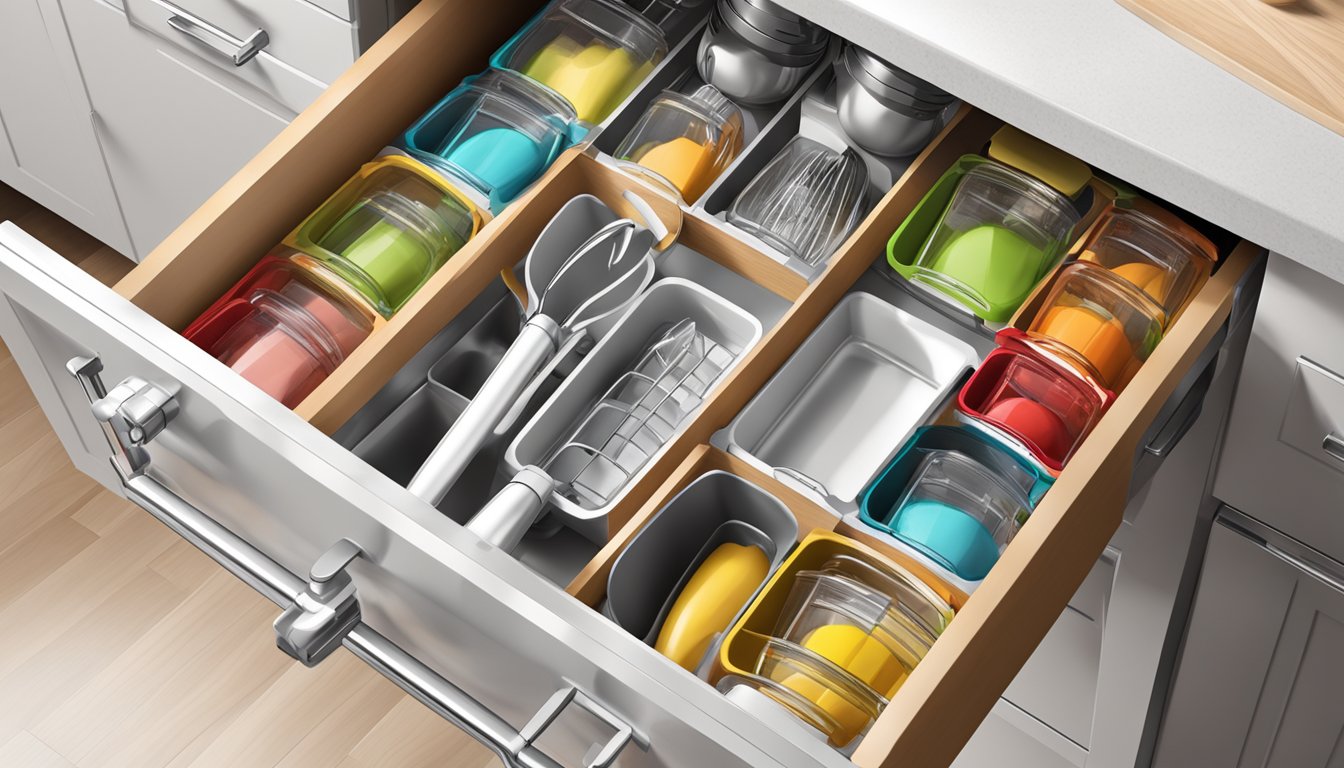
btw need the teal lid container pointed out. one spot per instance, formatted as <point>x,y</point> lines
<point>496,134</point>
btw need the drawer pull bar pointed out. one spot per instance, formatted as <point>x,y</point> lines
<point>322,613</point>
<point>238,51</point>
<point>1334,446</point>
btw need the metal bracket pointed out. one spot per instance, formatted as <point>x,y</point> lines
<point>551,710</point>
<point>132,413</point>
<point>323,614</point>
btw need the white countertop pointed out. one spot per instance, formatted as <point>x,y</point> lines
<point>1098,81</point>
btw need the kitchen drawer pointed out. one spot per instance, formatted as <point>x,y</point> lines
<point>1283,459</point>
<point>271,496</point>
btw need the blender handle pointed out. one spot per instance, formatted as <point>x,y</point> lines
<point>505,518</point>
<point>535,345</point>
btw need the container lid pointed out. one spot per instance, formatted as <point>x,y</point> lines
<point>771,28</point>
<point>891,82</point>
<point>1019,149</point>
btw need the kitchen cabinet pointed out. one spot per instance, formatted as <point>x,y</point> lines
<point>48,147</point>
<point>1259,681</point>
<point>283,499</point>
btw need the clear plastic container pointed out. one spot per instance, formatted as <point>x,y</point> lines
<point>591,52</point>
<point>854,627</point>
<point>1046,407</point>
<point>847,706</point>
<point>1001,234</point>
<point>1163,262</point>
<point>388,229</point>
<point>498,132</point>
<point>685,141</point>
<point>284,327</point>
<point>915,600</point>
<point>805,202</point>
<point>959,513</point>
<point>1099,323</point>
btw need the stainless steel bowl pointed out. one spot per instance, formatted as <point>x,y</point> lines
<point>757,53</point>
<point>884,109</point>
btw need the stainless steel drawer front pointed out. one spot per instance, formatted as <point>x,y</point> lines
<point>322,613</point>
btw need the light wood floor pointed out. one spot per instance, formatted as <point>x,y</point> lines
<point>121,645</point>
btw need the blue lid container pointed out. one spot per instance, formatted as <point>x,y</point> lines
<point>957,496</point>
<point>496,133</point>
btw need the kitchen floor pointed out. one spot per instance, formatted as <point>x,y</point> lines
<point>124,646</point>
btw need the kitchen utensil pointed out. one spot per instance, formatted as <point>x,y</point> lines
<point>568,291</point>
<point>581,398</point>
<point>685,141</point>
<point>959,513</point>
<point>285,326</point>
<point>848,397</point>
<point>591,52</point>
<point>883,108</point>
<point>854,627</point>
<point>496,133</point>
<point>758,53</point>
<point>1000,234</point>
<point>1034,400</point>
<point>716,591</point>
<point>608,445</point>
<point>1166,264</point>
<point>716,507</point>
<point>1016,148</point>
<point>1013,482</point>
<point>387,229</point>
<point>849,705</point>
<point>1098,322</point>
<point>805,202</point>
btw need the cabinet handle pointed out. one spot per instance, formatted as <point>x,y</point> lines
<point>322,613</point>
<point>238,51</point>
<point>1333,445</point>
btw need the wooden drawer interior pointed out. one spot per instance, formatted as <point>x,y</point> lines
<point>997,626</point>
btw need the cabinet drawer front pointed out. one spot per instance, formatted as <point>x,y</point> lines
<point>469,613</point>
<point>178,29</point>
<point>1283,460</point>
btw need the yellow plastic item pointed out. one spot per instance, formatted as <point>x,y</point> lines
<point>1152,280</point>
<point>711,598</point>
<point>849,718</point>
<point>686,163</point>
<point>860,654</point>
<point>594,78</point>
<point>1025,152</point>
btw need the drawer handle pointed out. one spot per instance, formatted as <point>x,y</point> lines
<point>1185,415</point>
<point>322,613</point>
<point>238,51</point>
<point>1334,446</point>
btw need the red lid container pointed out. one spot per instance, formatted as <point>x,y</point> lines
<point>1045,406</point>
<point>284,327</point>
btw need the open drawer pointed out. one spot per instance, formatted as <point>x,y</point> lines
<point>356,560</point>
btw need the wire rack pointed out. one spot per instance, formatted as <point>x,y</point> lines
<point>638,415</point>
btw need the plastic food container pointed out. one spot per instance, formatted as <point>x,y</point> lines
<point>762,697</point>
<point>1045,406</point>
<point>805,202</point>
<point>1165,263</point>
<point>959,513</point>
<point>497,133</point>
<point>388,229</point>
<point>997,483</point>
<point>685,141</point>
<point>849,705</point>
<point>1001,233</point>
<point>591,52</point>
<point>284,327</point>
<point>854,627</point>
<point>1097,322</point>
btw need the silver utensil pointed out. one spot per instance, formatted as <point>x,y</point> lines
<point>758,53</point>
<point>639,413</point>
<point>885,109</point>
<point>567,294</point>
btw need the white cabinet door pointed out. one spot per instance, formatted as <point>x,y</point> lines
<point>173,130</point>
<point>48,149</point>
<point>1260,683</point>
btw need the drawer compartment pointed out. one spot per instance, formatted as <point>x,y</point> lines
<point>505,633</point>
